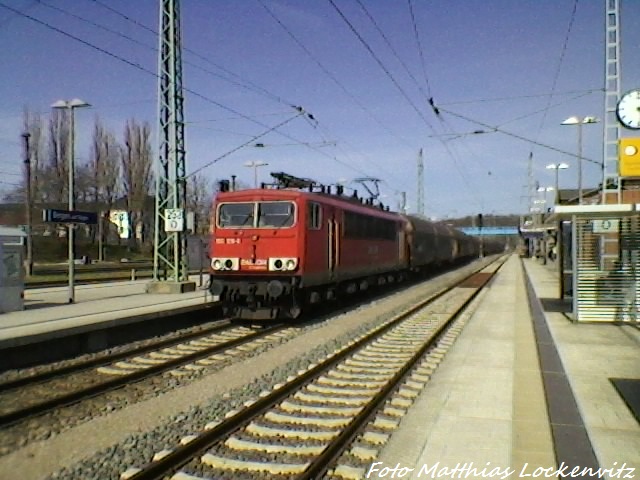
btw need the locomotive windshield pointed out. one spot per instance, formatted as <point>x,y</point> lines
<point>275,214</point>
<point>236,215</point>
<point>256,215</point>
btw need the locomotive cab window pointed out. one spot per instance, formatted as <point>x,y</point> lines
<point>236,215</point>
<point>275,214</point>
<point>314,220</point>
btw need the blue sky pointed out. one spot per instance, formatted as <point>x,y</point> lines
<point>485,63</point>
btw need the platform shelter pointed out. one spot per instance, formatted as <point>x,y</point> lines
<point>600,260</point>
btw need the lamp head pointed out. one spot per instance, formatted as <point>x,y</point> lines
<point>571,121</point>
<point>577,120</point>
<point>253,163</point>
<point>75,103</point>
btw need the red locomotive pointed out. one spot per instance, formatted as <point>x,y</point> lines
<point>276,250</point>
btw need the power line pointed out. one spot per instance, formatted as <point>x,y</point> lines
<point>402,91</point>
<point>10,18</point>
<point>330,75</point>
<point>243,83</point>
<point>199,95</point>
<point>254,88</point>
<point>520,97</point>
<point>135,22</point>
<point>554,83</point>
<point>454,157</point>
<point>420,49</point>
<point>558,67</point>
<point>136,65</point>
<point>237,118</point>
<point>519,137</point>
<point>404,94</point>
<point>247,143</point>
<point>386,39</point>
<point>544,109</point>
<point>380,64</point>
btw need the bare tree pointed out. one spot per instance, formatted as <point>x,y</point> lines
<point>83,184</point>
<point>199,200</point>
<point>56,184</point>
<point>33,124</point>
<point>105,167</point>
<point>136,161</point>
<point>104,171</point>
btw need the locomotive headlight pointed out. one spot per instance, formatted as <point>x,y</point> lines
<point>225,263</point>
<point>283,263</point>
<point>291,264</point>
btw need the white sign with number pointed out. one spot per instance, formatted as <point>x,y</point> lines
<point>606,226</point>
<point>173,220</point>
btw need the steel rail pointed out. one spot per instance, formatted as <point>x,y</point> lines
<point>322,463</point>
<point>182,454</point>
<point>104,387</point>
<point>105,359</point>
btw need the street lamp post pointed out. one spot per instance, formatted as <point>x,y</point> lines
<point>69,106</point>
<point>579,121</point>
<point>255,166</point>
<point>27,171</point>
<point>557,167</point>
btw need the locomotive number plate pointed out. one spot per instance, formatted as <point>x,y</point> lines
<point>228,241</point>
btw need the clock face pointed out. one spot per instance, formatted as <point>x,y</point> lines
<point>628,109</point>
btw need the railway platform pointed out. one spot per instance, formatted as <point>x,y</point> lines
<point>524,392</point>
<point>48,317</point>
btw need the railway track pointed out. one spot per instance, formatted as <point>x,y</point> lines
<point>330,419</point>
<point>40,377</point>
<point>28,397</point>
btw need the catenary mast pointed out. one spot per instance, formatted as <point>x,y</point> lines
<point>611,182</point>
<point>420,184</point>
<point>170,272</point>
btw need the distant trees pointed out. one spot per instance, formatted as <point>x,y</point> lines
<point>55,170</point>
<point>33,124</point>
<point>136,161</point>
<point>104,173</point>
<point>117,174</point>
<point>105,166</point>
<point>199,196</point>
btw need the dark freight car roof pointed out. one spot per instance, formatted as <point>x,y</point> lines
<point>425,226</point>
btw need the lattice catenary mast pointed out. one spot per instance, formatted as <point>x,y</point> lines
<point>611,183</point>
<point>169,255</point>
<point>420,184</point>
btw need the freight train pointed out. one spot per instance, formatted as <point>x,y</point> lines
<point>276,251</point>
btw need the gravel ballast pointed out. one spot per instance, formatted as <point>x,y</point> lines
<point>105,446</point>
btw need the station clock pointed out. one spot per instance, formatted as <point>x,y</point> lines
<point>628,109</point>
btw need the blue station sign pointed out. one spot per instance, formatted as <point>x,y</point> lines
<point>69,216</point>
